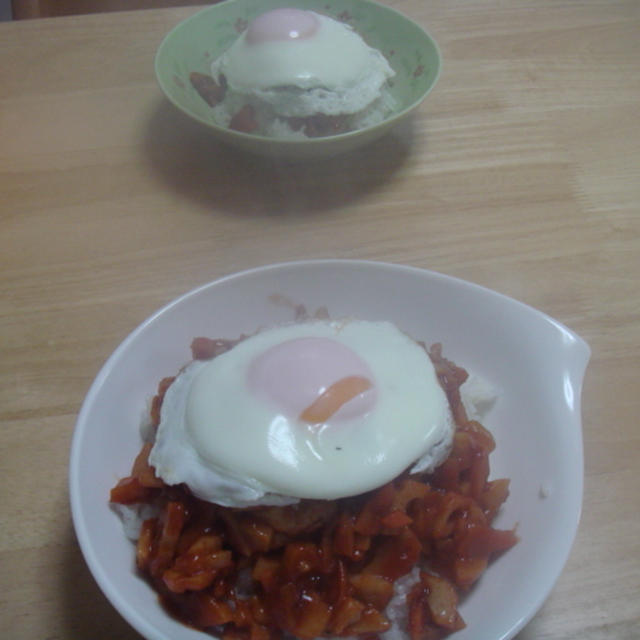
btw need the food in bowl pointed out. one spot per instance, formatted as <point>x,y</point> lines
<point>390,525</point>
<point>319,402</point>
<point>295,73</point>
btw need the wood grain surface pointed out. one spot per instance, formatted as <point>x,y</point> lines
<point>25,9</point>
<point>520,172</point>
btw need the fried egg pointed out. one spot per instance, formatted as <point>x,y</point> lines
<point>299,63</point>
<point>319,409</point>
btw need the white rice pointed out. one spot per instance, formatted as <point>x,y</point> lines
<point>272,125</point>
<point>478,396</point>
<point>133,515</point>
<point>396,610</point>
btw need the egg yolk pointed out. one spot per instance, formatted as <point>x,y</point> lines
<point>282,24</point>
<point>313,380</point>
<point>337,395</point>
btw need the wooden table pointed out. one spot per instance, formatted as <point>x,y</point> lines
<point>521,172</point>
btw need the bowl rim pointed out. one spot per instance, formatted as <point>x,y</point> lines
<point>135,619</point>
<point>293,143</point>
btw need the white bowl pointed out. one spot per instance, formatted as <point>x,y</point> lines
<point>536,364</point>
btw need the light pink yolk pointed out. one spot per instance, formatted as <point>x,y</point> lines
<point>314,380</point>
<point>282,24</point>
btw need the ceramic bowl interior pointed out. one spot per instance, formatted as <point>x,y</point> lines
<point>535,363</point>
<point>196,42</point>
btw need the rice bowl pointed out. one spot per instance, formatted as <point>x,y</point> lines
<point>194,44</point>
<point>531,383</point>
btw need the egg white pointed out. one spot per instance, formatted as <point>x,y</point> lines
<point>233,448</point>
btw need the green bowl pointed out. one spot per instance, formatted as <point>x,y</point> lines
<point>194,43</point>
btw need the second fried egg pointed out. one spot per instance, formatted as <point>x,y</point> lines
<point>301,63</point>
